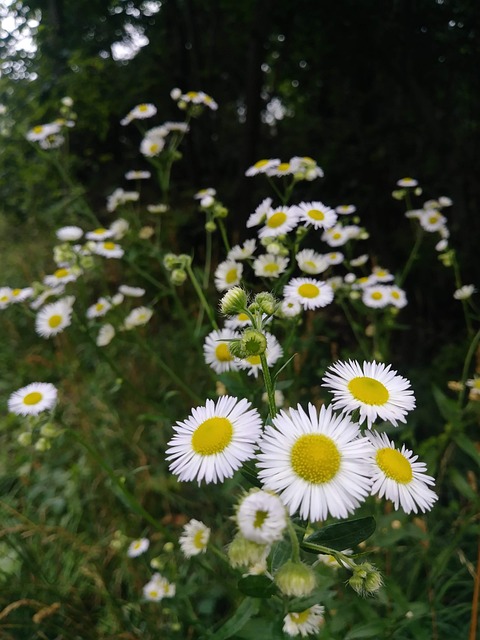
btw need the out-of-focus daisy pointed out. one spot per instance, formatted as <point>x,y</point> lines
<point>242,252</point>
<point>199,97</point>
<point>45,295</point>
<point>360,261</point>
<point>273,353</point>
<point>108,249</point>
<point>208,191</point>
<point>158,588</point>
<point>399,477</point>
<point>432,220</point>
<point>151,146</point>
<point>119,228</point>
<point>398,297</point>
<point>194,538</point>
<point>137,317</point>
<point>345,209</point>
<point>118,198</point>
<point>305,168</point>
<point>407,182</point>
<point>270,266</point>
<point>279,222</point>
<point>19,295</point>
<point>61,276</point>
<point>311,262</point>
<point>239,321</point>
<point>99,309</point>
<point>260,213</point>
<point>99,234</point>
<point>465,292</point>
<point>137,175</point>
<point>228,274</point>
<point>176,127</point>
<point>334,257</point>
<point>137,547</point>
<point>444,201</point>
<point>441,245</point>
<point>33,399</point>
<point>261,517</point>
<point>5,297</point>
<point>214,441</point>
<point>316,462</point>
<point>382,275</point>
<point>42,131</point>
<point>280,170</point>
<point>310,293</point>
<point>105,335</point>
<point>336,236</point>
<point>375,389</point>
<point>316,214</point>
<point>53,318</point>
<point>262,166</point>
<point>376,296</point>
<point>117,299</point>
<point>304,623</point>
<point>290,308</point>
<point>131,292</point>
<point>140,112</point>
<point>216,350</point>
<point>157,208</point>
<point>70,233</point>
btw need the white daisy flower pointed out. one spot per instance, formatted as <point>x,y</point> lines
<point>151,146</point>
<point>242,252</point>
<point>70,233</point>
<point>33,399</point>
<point>42,131</point>
<point>382,275</point>
<point>157,208</point>
<point>282,169</point>
<point>19,295</point>
<point>441,245</point>
<point>306,168</point>
<point>465,292</point>
<point>304,623</point>
<point>158,588</point>
<point>194,538</point>
<point>105,335</point>
<point>445,201</point>
<point>137,175</point>
<point>53,318</point>
<point>5,297</point>
<point>375,390</point>
<point>311,262</point>
<point>119,228</point>
<point>140,112</point>
<point>117,299</point>
<point>99,309</point>
<point>316,214</point>
<point>317,462</point>
<point>177,127</point>
<point>137,317</point>
<point>260,213</point>
<point>310,293</point>
<point>228,274</point>
<point>360,261</point>
<point>278,222</point>
<point>432,220</point>
<point>99,234</point>
<point>61,276</point>
<point>131,292</point>
<point>399,477</point>
<point>273,353</point>
<point>108,249</point>
<point>290,308</point>
<point>239,321</point>
<point>119,197</point>
<point>398,297</point>
<point>270,266</point>
<point>48,293</point>
<point>336,236</point>
<point>208,191</point>
<point>137,547</point>
<point>376,296</point>
<point>334,257</point>
<point>261,517</point>
<point>345,209</point>
<point>216,352</point>
<point>214,441</point>
<point>407,182</point>
<point>262,166</point>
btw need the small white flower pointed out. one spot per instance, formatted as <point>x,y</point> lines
<point>311,262</point>
<point>33,399</point>
<point>194,538</point>
<point>270,266</point>
<point>137,547</point>
<point>69,234</point>
<point>137,317</point>
<point>53,318</point>
<point>260,213</point>
<point>105,335</point>
<point>261,517</point>
<point>228,274</point>
<point>465,292</point>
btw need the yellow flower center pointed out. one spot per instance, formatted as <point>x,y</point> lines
<point>260,164</point>
<point>376,295</point>
<point>272,267</point>
<point>394,465</point>
<point>32,398</point>
<point>99,306</point>
<point>231,276</point>
<point>61,273</point>
<point>277,219</point>
<point>308,290</point>
<point>4,298</point>
<point>476,383</point>
<point>212,436</point>
<point>381,273</point>
<point>192,94</point>
<point>153,593</point>
<point>54,321</point>
<point>154,147</point>
<point>260,517</point>
<point>368,390</point>
<point>310,264</point>
<point>99,231</point>
<point>336,235</point>
<point>395,295</point>
<point>16,292</point>
<point>198,540</point>
<point>109,246</point>
<point>222,353</point>
<point>301,617</point>
<point>315,458</point>
<point>142,107</point>
<point>283,166</point>
<point>315,214</point>
<point>38,128</point>
<point>433,219</point>
<point>253,359</point>
<point>242,317</point>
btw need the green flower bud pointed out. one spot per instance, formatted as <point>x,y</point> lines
<point>245,553</point>
<point>398,194</point>
<point>210,226</point>
<point>86,262</point>
<point>301,232</point>
<point>234,301</point>
<point>178,277</point>
<point>295,579</point>
<point>170,261</point>
<point>42,444</point>
<point>237,349</point>
<point>25,439</point>
<point>49,430</point>
<point>254,342</point>
<point>220,211</point>
<point>267,303</point>
<point>366,579</point>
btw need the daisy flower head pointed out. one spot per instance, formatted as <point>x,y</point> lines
<point>336,236</point>
<point>19,295</point>
<point>61,276</point>
<point>376,296</point>
<point>228,274</point>
<point>290,308</point>
<point>382,275</point>
<point>42,131</point>
<point>158,588</point>
<point>375,389</point>
<point>311,262</point>
<point>216,350</point>
<point>407,182</point>
<point>214,441</point>
<point>398,297</point>
<point>316,214</point>
<point>105,335</point>
<point>70,233</point>
<point>194,538</point>
<point>359,261</point>
<point>242,252</point>
<point>54,318</point>
<point>99,309</point>
<point>262,166</point>
<point>316,461</point>
<point>280,170</point>
<point>278,222</point>
<point>334,257</point>
<point>309,292</point>
<point>131,292</point>
<point>140,112</point>
<point>99,234</point>
<point>261,517</point>
<point>137,547</point>
<point>5,297</point>
<point>270,266</point>
<point>305,168</point>
<point>33,399</point>
<point>260,213</point>
<point>108,249</point>
<point>137,175</point>
<point>151,146</point>
<point>253,364</point>
<point>432,220</point>
<point>465,292</point>
<point>345,209</point>
<point>304,623</point>
<point>137,317</point>
<point>398,476</point>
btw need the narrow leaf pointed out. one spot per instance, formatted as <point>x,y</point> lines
<point>342,535</point>
<point>257,586</point>
<point>242,615</point>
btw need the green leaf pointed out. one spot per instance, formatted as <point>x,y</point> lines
<point>242,615</point>
<point>280,553</point>
<point>466,445</point>
<point>257,586</point>
<point>341,535</point>
<point>369,630</point>
<point>447,406</point>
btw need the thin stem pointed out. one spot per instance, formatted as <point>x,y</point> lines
<point>201,296</point>
<point>353,325</point>
<point>466,367</point>
<point>223,232</point>
<point>294,540</point>
<point>272,406</point>
<point>412,257</point>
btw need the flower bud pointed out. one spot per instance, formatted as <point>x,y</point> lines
<point>366,579</point>
<point>266,303</point>
<point>295,579</point>
<point>234,301</point>
<point>245,553</point>
<point>170,261</point>
<point>210,226</point>
<point>178,277</point>
<point>254,342</point>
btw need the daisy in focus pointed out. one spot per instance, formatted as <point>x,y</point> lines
<point>270,266</point>
<point>399,477</point>
<point>309,292</point>
<point>374,389</point>
<point>316,462</point>
<point>194,538</point>
<point>262,166</point>
<point>279,222</point>
<point>316,214</point>
<point>33,399</point>
<point>228,274</point>
<point>311,262</point>
<point>214,441</point>
<point>216,352</point>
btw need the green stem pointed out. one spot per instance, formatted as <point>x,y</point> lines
<point>466,367</point>
<point>353,325</point>
<point>201,296</point>
<point>223,232</point>
<point>412,257</point>
<point>294,540</point>
<point>272,406</point>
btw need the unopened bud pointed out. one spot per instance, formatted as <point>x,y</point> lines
<point>234,301</point>
<point>295,579</point>
<point>366,579</point>
<point>254,342</point>
<point>266,302</point>
<point>178,277</point>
